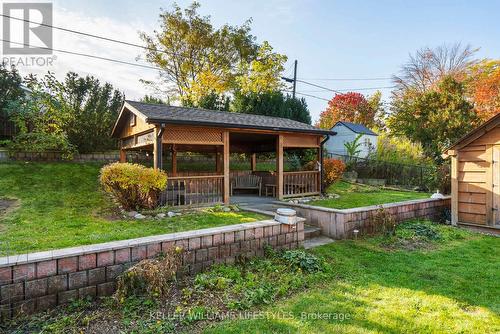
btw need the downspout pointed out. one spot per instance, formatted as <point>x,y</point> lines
<point>321,173</point>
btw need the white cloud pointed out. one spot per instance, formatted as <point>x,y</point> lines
<point>123,77</point>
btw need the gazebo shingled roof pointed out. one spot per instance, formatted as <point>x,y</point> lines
<point>159,113</point>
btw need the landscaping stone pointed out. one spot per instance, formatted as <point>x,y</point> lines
<point>226,209</point>
<point>161,215</point>
<point>139,216</point>
<point>132,213</point>
<point>171,214</point>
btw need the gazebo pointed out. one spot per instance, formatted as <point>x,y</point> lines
<point>168,130</point>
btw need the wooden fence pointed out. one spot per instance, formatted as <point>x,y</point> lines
<point>303,183</point>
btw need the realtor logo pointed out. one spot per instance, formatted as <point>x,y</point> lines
<point>27,28</point>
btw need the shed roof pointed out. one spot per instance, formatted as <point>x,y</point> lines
<point>357,128</point>
<point>474,134</point>
<point>160,113</point>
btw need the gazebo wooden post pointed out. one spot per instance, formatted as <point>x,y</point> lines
<point>279,166</point>
<point>320,166</point>
<point>174,160</point>
<point>218,156</point>
<point>226,166</point>
<point>123,153</point>
<point>158,147</point>
<point>253,162</point>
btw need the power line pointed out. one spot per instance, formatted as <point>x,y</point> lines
<point>87,34</point>
<point>85,55</point>
<point>346,79</point>
<point>352,89</point>
<point>339,91</point>
<point>318,86</point>
<point>309,95</point>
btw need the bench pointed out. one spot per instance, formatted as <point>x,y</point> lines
<point>246,182</point>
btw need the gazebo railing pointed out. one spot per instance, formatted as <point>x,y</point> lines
<point>193,190</point>
<point>303,183</point>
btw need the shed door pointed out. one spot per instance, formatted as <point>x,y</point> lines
<point>496,185</point>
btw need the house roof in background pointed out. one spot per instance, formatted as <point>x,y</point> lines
<point>357,128</point>
<point>159,113</point>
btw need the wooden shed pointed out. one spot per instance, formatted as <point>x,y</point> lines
<point>166,131</point>
<point>475,177</point>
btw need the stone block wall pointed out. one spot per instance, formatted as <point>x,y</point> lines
<point>340,224</point>
<point>107,157</point>
<point>38,281</point>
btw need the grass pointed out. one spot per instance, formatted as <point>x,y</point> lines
<point>447,283</point>
<point>448,286</point>
<point>356,195</point>
<point>60,205</point>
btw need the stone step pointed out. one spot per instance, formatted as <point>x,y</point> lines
<point>316,242</point>
<point>311,232</point>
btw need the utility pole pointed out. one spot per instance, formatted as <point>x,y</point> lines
<point>294,80</point>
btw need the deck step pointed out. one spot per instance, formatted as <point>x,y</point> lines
<point>311,232</point>
<point>316,242</point>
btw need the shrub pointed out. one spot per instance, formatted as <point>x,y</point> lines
<point>133,185</point>
<point>382,221</point>
<point>302,260</point>
<point>332,171</point>
<point>153,277</point>
<point>42,142</point>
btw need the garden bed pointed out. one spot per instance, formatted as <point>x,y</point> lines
<point>345,195</point>
<point>61,205</point>
<point>375,284</point>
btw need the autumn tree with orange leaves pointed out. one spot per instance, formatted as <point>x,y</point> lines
<point>483,86</point>
<point>351,107</point>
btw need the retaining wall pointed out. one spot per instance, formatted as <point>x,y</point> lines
<point>38,281</point>
<point>340,224</point>
<point>110,156</point>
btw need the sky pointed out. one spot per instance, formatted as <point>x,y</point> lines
<point>329,39</point>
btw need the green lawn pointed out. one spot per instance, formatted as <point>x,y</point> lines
<point>61,205</point>
<point>355,195</point>
<point>451,287</point>
<point>427,278</point>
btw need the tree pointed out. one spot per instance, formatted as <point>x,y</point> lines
<point>214,101</point>
<point>353,148</point>
<point>75,114</point>
<point>272,104</point>
<point>428,66</point>
<point>435,118</point>
<point>39,119</point>
<point>262,74</point>
<point>350,107</point>
<point>154,100</point>
<point>197,59</point>
<point>93,108</point>
<point>10,90</point>
<point>399,149</point>
<point>10,85</point>
<point>483,87</point>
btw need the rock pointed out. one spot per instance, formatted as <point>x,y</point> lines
<point>226,209</point>
<point>171,214</point>
<point>236,209</point>
<point>132,213</point>
<point>139,216</point>
<point>160,215</point>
